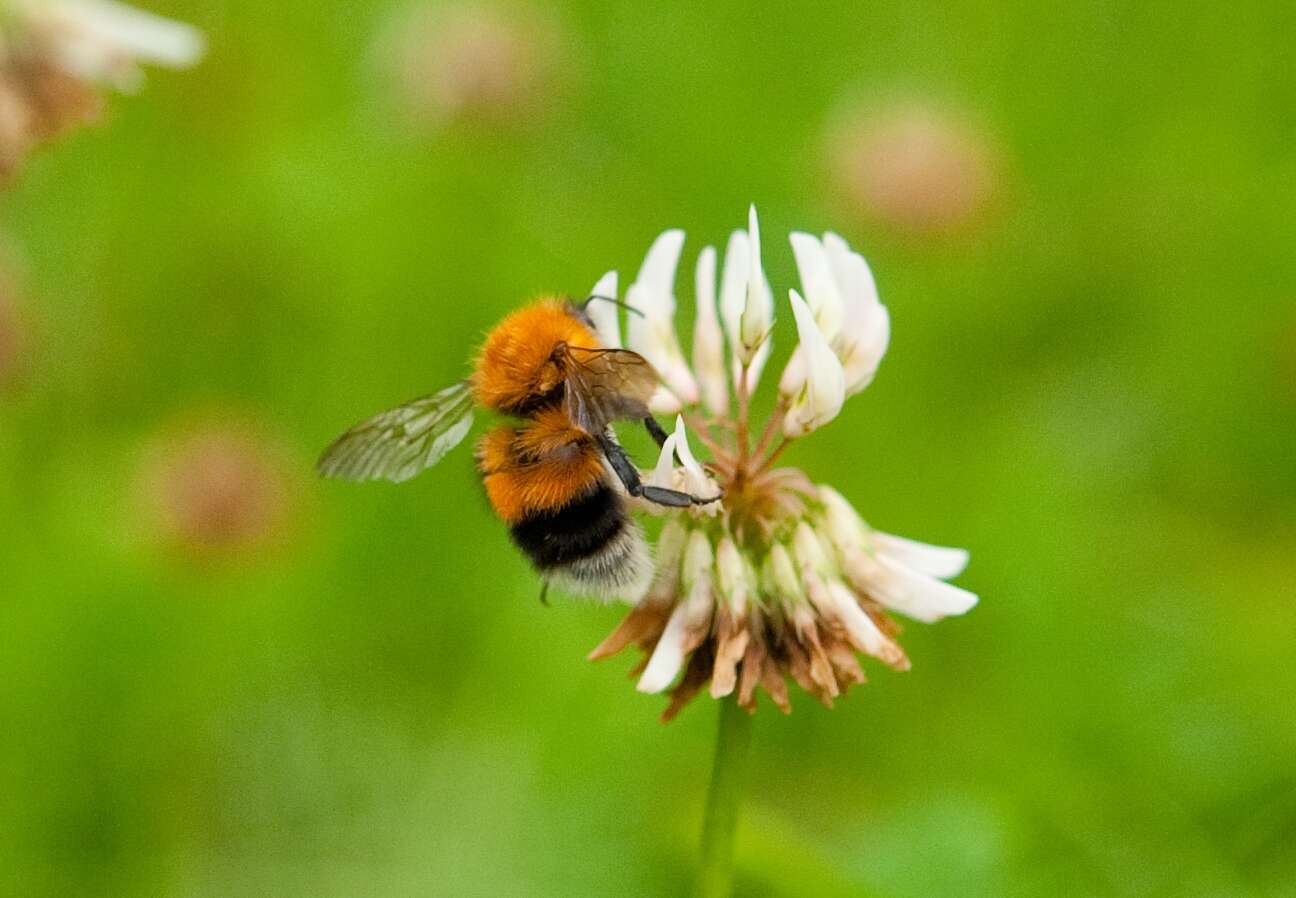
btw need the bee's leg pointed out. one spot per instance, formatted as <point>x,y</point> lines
<point>628,474</point>
<point>544,593</point>
<point>655,431</point>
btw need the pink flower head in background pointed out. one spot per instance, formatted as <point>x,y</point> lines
<point>915,169</point>
<point>470,63</point>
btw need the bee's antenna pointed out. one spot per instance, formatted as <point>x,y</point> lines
<point>614,301</point>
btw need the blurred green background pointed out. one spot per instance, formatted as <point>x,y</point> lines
<point>1091,384</point>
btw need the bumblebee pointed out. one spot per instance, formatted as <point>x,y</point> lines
<point>556,475</point>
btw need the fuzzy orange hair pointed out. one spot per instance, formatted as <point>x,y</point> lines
<point>515,365</point>
<point>538,468</point>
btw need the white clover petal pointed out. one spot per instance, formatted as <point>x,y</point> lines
<point>864,633</point>
<point>664,474</point>
<point>664,402</point>
<point>685,452</point>
<point>754,368</point>
<point>864,355</point>
<point>696,481</point>
<point>941,562</point>
<point>818,284</point>
<point>746,300</point>
<point>657,274</point>
<point>849,531</point>
<point>905,590</point>
<point>668,656</point>
<point>780,575</point>
<point>793,378</point>
<point>733,576</point>
<point>652,333</point>
<point>866,325</point>
<point>669,558</point>
<point>606,315</point>
<point>845,527</point>
<point>821,396</point>
<point>733,287</point>
<point>851,272</point>
<point>809,551</point>
<point>690,619</point>
<point>758,311</point>
<point>708,341</point>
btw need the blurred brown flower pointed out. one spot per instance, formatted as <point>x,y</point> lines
<point>471,63</point>
<point>915,169</point>
<point>215,488</point>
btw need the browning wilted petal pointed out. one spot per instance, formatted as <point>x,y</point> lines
<point>643,625</point>
<point>731,639</point>
<point>695,677</point>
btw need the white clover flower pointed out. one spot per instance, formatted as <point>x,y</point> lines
<point>779,579</point>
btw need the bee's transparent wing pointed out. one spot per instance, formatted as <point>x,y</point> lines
<point>399,443</point>
<point>606,385</point>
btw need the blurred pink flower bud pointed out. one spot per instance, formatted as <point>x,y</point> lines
<point>217,488</point>
<point>471,63</point>
<point>915,169</point>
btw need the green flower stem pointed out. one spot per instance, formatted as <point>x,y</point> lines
<point>728,778</point>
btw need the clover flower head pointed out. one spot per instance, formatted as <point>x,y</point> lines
<point>781,579</point>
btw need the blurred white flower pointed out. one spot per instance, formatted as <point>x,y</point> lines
<point>56,55</point>
<point>103,41</point>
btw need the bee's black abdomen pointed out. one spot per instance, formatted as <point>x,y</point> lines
<point>580,528</point>
<point>590,545</point>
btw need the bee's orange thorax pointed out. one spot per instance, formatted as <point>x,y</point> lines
<point>515,368</point>
<point>538,468</point>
